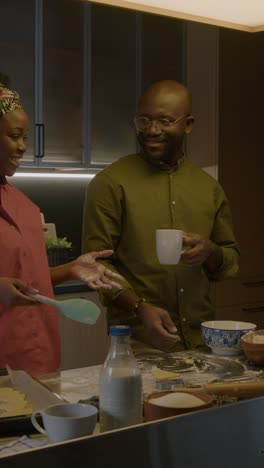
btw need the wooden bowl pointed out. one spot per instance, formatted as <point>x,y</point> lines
<point>152,412</point>
<point>253,351</point>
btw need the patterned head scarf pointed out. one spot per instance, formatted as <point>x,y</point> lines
<point>9,100</point>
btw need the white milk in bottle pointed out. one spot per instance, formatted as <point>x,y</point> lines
<point>120,384</point>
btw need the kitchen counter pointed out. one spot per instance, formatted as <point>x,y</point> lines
<point>162,371</point>
<point>71,287</point>
<point>229,436</point>
<point>173,442</point>
<point>228,379</point>
<point>159,370</point>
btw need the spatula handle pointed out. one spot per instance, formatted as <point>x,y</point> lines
<point>44,299</point>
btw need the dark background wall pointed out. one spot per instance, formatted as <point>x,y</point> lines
<point>61,202</point>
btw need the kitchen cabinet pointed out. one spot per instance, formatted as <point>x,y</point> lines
<point>83,345</point>
<point>61,81</point>
<point>41,49</point>
<point>201,68</point>
<point>80,69</point>
<point>235,136</point>
<point>252,313</point>
<point>113,81</point>
<point>241,169</point>
<point>238,291</point>
<point>241,300</point>
<point>17,52</point>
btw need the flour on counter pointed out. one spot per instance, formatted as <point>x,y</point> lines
<point>258,339</point>
<point>177,400</point>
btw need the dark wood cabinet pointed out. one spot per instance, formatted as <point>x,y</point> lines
<point>241,169</point>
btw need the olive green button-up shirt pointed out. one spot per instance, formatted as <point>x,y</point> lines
<point>125,204</point>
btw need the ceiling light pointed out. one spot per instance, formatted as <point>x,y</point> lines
<point>54,175</point>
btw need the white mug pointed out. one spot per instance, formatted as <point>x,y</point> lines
<point>66,421</point>
<point>169,246</point>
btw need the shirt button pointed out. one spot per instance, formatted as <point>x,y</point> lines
<point>181,290</point>
<point>184,319</point>
<point>173,202</point>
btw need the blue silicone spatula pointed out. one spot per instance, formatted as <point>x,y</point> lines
<point>80,310</point>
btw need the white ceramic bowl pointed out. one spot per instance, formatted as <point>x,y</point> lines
<point>224,336</point>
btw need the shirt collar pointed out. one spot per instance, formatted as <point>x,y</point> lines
<point>3,180</point>
<point>164,166</point>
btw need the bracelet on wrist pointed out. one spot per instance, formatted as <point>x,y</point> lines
<point>137,304</point>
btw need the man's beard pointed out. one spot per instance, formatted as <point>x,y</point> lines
<point>171,152</point>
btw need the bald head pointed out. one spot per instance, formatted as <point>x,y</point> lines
<point>171,93</point>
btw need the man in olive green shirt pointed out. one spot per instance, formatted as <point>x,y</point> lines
<point>160,188</point>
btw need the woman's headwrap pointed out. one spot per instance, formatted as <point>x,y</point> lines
<point>9,100</point>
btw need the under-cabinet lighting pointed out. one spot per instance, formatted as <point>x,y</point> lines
<point>246,15</point>
<point>54,175</point>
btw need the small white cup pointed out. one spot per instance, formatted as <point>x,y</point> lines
<point>66,421</point>
<point>169,246</point>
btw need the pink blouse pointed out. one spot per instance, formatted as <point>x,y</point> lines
<point>29,335</point>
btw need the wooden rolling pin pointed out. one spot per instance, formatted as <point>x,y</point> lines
<point>240,390</point>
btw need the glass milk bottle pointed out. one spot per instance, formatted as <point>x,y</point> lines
<point>120,384</point>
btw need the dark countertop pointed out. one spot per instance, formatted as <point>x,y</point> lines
<point>71,287</point>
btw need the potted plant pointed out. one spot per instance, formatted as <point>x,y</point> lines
<point>59,250</point>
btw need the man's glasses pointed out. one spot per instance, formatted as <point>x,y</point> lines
<point>144,123</point>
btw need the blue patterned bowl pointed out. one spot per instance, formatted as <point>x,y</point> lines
<point>224,336</point>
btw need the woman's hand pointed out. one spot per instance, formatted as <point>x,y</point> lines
<point>96,275</point>
<point>11,292</point>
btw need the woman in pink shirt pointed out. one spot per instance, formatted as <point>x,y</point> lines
<point>29,333</point>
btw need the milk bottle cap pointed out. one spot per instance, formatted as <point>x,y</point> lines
<point>120,330</point>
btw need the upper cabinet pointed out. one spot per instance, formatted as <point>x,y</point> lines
<point>80,69</point>
<point>162,49</point>
<point>41,48</point>
<point>61,81</point>
<point>17,52</point>
<point>113,76</point>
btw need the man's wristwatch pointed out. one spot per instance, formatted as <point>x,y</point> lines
<point>137,304</point>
